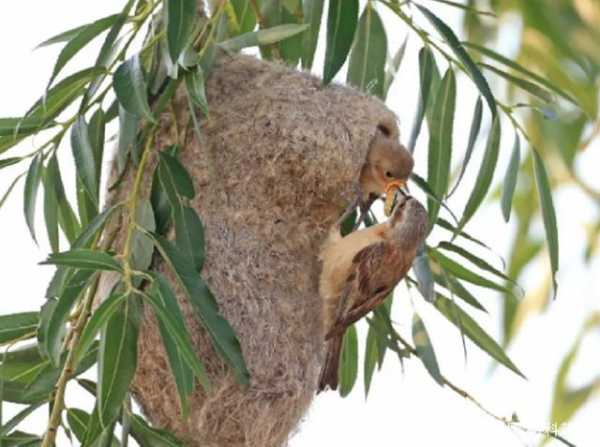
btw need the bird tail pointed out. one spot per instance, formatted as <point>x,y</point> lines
<point>329,373</point>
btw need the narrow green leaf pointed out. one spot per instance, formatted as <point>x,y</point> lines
<point>89,233</point>
<point>180,19</point>
<point>65,36</point>
<point>194,81</point>
<point>393,67</point>
<point>51,209</point>
<point>66,216</point>
<point>10,161</point>
<point>189,235</point>
<point>62,95</point>
<point>131,90</point>
<point>349,361</point>
<point>473,134</point>
<point>371,357</point>
<point>96,131</point>
<point>86,208</point>
<point>32,183</point>
<point>425,349</point>
<point>275,13</point>
<point>10,127</point>
<point>341,26</point>
<point>517,67</point>
<point>466,8</point>
<point>160,205</point>
<point>21,439</point>
<point>42,331</point>
<point>424,276</point>
<point>78,421</point>
<point>30,379</point>
<point>108,46</point>
<point>426,63</point>
<point>473,331</point>
<point>486,174</point>
<point>128,128</point>
<point>97,321</point>
<point>21,365</point>
<point>463,273</point>
<point>98,436</point>
<point>16,420</point>
<point>15,326</point>
<point>53,103</point>
<point>80,40</point>
<point>10,188</point>
<point>117,360</point>
<point>60,313</point>
<point>142,245</point>
<point>182,358</point>
<point>163,297</point>
<point>454,230</point>
<point>548,213</point>
<point>424,186</point>
<point>463,56</point>
<point>510,179</point>
<point>146,435</point>
<point>312,11</point>
<point>456,288</point>
<point>262,37</point>
<point>469,256</point>
<point>175,177</point>
<point>84,240</point>
<point>523,84</point>
<point>85,161</point>
<point>366,69</point>
<point>246,19</point>
<point>84,258</point>
<point>440,142</point>
<point>205,305</point>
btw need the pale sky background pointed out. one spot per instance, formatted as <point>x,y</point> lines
<point>404,407</point>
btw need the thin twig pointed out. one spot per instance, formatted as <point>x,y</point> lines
<point>509,422</point>
<point>132,213</point>
<point>58,400</point>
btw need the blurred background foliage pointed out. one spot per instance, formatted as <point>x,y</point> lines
<point>561,39</point>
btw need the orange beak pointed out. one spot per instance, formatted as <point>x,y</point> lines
<point>390,194</point>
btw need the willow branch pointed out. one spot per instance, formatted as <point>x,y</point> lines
<point>509,422</point>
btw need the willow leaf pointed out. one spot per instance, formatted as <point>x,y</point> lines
<point>463,56</point>
<point>366,69</point>
<point>341,26</point>
<point>440,141</point>
<point>486,174</point>
<point>510,179</point>
<point>548,213</point>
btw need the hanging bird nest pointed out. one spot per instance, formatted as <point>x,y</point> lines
<point>276,164</point>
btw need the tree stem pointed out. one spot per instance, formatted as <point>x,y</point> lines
<point>59,390</point>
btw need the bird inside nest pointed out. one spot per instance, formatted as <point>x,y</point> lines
<point>361,269</point>
<point>387,166</point>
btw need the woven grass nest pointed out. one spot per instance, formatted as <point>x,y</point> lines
<point>276,165</point>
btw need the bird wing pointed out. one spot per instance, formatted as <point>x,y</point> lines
<point>376,270</point>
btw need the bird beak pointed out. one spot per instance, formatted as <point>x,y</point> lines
<point>392,190</point>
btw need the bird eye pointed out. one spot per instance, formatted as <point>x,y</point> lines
<point>388,174</point>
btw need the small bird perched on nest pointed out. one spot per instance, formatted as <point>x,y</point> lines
<point>387,168</point>
<point>361,269</point>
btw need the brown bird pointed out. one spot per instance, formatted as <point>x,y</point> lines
<point>361,269</point>
<point>387,162</point>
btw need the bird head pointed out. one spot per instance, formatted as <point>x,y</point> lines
<point>409,221</point>
<point>388,162</point>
